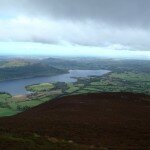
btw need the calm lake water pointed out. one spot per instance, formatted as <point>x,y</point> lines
<point>17,87</point>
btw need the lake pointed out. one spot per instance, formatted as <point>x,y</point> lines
<point>17,87</point>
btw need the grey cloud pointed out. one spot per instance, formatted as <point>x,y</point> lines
<point>122,12</point>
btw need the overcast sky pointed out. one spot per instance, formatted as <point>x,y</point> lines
<point>109,28</point>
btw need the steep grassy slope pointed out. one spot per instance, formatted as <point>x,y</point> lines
<point>110,120</point>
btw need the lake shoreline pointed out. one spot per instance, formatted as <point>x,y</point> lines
<point>18,86</point>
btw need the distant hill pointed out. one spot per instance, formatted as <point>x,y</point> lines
<point>109,120</point>
<point>16,62</point>
<point>118,65</point>
<point>18,69</point>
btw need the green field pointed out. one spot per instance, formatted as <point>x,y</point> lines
<point>40,87</point>
<point>7,112</point>
<point>117,82</point>
<point>4,97</point>
<point>13,105</point>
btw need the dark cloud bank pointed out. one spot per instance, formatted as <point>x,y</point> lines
<point>84,22</point>
<point>123,12</point>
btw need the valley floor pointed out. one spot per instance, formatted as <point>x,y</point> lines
<point>126,81</point>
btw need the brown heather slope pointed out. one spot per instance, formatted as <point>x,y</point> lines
<point>112,120</point>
